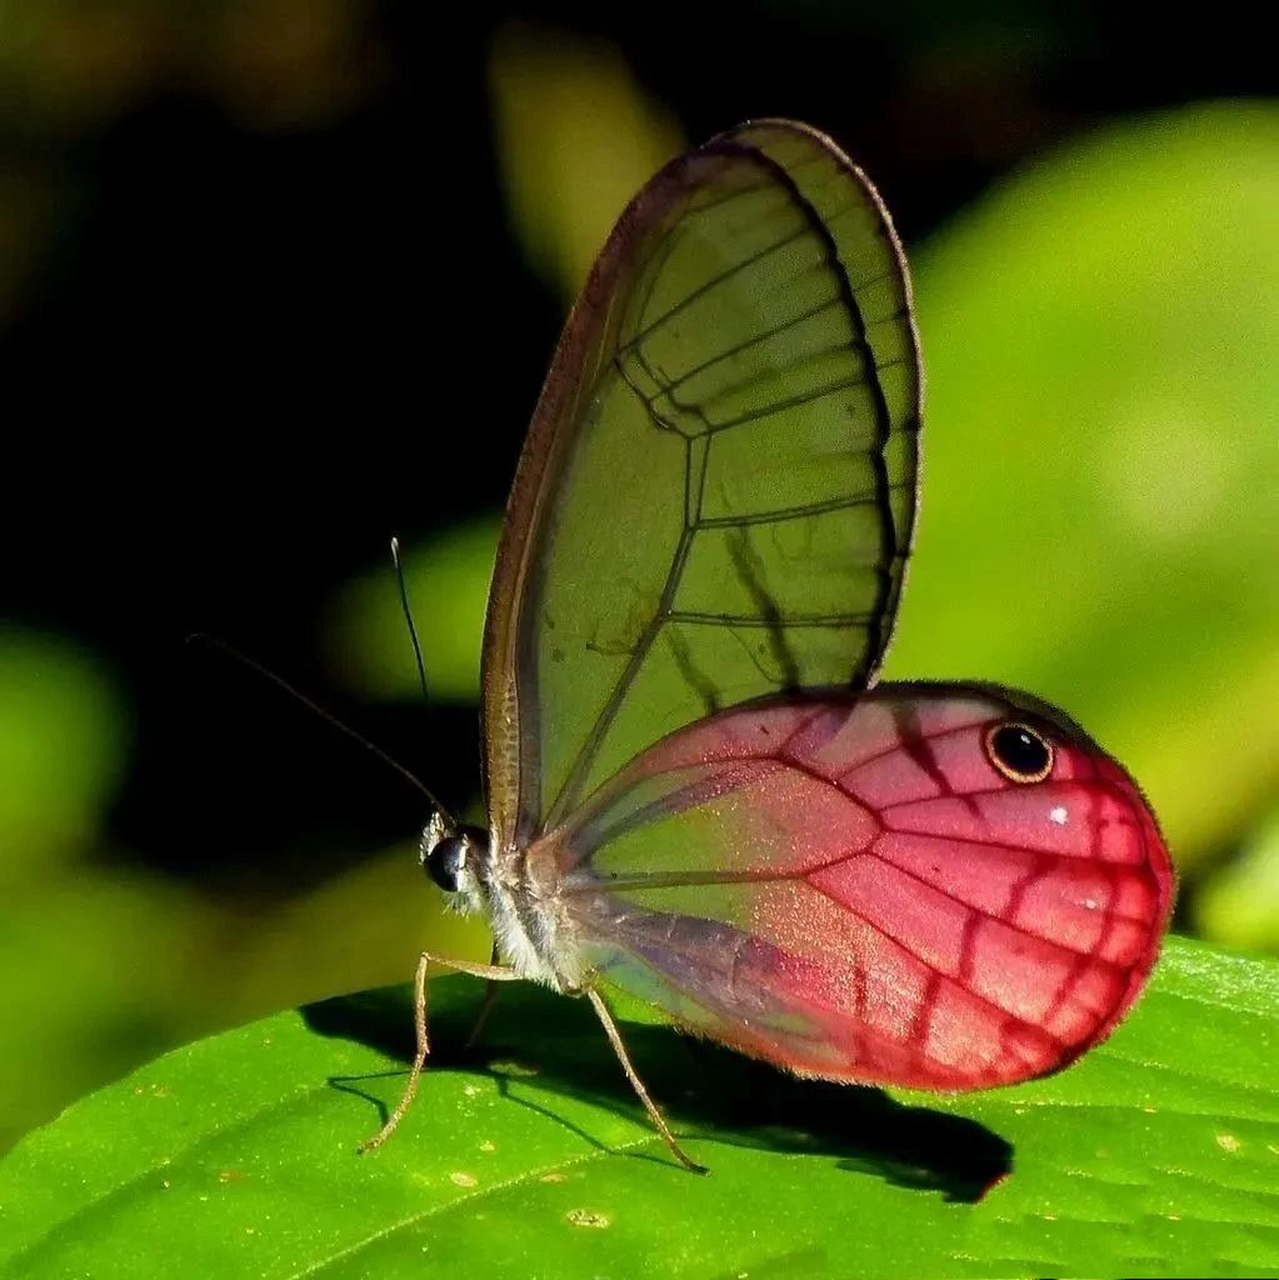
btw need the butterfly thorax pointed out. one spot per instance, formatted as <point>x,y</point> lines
<point>501,883</point>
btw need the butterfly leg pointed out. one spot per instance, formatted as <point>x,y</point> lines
<point>490,999</point>
<point>493,972</point>
<point>659,1121</point>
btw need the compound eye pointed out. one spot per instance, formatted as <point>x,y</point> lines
<point>445,862</point>
<point>1020,753</point>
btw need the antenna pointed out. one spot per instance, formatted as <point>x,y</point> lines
<point>408,617</point>
<point>327,716</point>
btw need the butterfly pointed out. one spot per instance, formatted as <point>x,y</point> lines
<point>698,795</point>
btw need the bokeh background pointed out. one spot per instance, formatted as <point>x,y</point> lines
<point>280,278</point>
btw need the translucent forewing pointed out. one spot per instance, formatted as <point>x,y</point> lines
<point>717,493</point>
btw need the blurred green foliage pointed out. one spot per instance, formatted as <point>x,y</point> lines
<point>1098,518</point>
<point>1240,904</point>
<point>63,750</point>
<point>576,138</point>
<point>103,966</point>
<point>447,584</point>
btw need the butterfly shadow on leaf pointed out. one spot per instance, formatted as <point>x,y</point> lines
<point>552,1045</point>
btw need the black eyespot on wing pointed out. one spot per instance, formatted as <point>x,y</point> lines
<point>1020,752</point>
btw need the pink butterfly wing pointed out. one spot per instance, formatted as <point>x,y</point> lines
<point>848,887</point>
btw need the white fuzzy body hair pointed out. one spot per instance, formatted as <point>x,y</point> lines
<point>526,920</point>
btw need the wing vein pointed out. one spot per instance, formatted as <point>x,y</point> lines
<point>695,295</point>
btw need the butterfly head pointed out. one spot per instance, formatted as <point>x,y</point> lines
<point>452,856</point>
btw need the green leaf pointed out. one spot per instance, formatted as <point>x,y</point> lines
<point>1154,1156</point>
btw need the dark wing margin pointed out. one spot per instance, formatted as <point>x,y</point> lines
<point>716,498</point>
